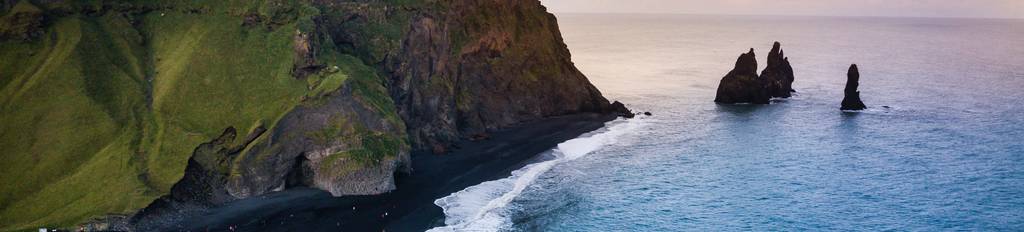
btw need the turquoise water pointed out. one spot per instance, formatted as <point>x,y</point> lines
<point>940,148</point>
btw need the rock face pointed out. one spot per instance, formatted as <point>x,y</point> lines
<point>852,101</point>
<point>743,85</point>
<point>342,146</point>
<point>483,65</point>
<point>778,74</point>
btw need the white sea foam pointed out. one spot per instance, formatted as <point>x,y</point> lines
<point>483,207</point>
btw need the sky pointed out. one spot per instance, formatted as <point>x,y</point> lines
<point>886,8</point>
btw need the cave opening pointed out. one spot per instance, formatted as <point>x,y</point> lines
<point>301,173</point>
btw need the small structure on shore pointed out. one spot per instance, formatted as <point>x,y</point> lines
<point>852,101</point>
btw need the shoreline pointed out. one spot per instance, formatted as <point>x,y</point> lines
<point>411,206</point>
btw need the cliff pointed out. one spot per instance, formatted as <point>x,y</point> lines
<point>114,106</point>
<point>482,65</point>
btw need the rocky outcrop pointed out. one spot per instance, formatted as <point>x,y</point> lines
<point>343,145</point>
<point>205,178</point>
<point>743,85</point>
<point>778,74</point>
<point>852,101</point>
<point>24,21</point>
<point>305,53</point>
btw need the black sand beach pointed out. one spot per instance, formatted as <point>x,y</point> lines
<point>410,207</point>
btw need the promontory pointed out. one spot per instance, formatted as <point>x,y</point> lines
<point>111,106</point>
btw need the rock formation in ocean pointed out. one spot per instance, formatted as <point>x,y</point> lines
<point>852,101</point>
<point>156,104</point>
<point>743,85</point>
<point>778,74</point>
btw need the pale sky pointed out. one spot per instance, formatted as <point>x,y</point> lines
<point>891,8</point>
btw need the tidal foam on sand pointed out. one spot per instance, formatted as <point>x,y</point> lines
<point>483,207</point>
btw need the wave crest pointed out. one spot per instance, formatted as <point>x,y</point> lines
<point>482,207</point>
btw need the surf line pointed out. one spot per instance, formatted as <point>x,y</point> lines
<point>481,207</point>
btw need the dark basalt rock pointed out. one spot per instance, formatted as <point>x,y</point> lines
<point>452,78</point>
<point>742,84</point>
<point>852,100</point>
<point>619,109</point>
<point>778,74</point>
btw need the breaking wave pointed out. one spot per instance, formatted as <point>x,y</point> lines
<point>483,207</point>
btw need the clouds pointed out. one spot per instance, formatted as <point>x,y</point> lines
<point>897,8</point>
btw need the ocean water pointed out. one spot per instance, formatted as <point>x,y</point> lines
<point>940,148</point>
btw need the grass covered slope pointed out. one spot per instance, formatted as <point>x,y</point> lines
<point>210,73</point>
<point>73,109</point>
<point>102,111</point>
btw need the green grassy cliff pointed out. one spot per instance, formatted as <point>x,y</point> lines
<point>104,105</point>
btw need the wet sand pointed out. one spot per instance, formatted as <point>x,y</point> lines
<point>410,207</point>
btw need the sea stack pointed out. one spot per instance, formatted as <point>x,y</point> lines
<point>742,84</point>
<point>852,99</point>
<point>778,74</point>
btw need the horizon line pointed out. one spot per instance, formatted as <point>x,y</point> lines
<point>789,15</point>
